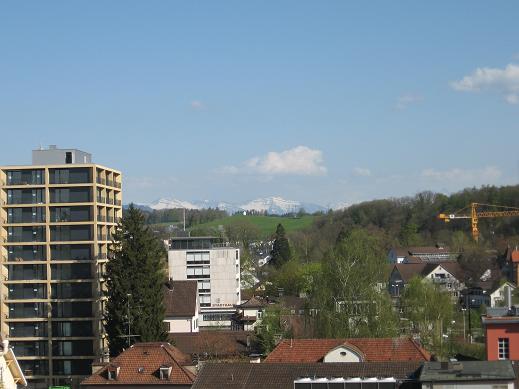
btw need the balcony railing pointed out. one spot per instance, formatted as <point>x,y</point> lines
<point>101,199</point>
<point>101,181</point>
<point>109,183</point>
<point>101,218</point>
<point>117,184</point>
<point>118,202</point>
<point>110,219</point>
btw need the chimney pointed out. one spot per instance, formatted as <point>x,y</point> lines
<point>508,297</point>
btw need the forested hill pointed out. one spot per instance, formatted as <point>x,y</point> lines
<point>414,220</point>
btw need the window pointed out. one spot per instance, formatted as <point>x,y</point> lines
<point>68,157</point>
<point>164,372</point>
<point>503,348</point>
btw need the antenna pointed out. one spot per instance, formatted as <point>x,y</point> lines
<point>129,336</point>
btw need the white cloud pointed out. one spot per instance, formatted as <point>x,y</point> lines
<point>504,81</point>
<point>300,160</point>
<point>362,171</point>
<point>486,175</point>
<point>405,100</point>
<point>196,104</point>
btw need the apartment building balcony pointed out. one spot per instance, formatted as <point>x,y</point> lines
<point>25,196</point>
<point>67,252</point>
<point>101,181</point>
<point>26,234</point>
<point>67,329</point>
<point>71,271</point>
<point>70,195</point>
<point>70,214</point>
<point>30,348</point>
<point>24,215</point>
<point>25,253</point>
<point>27,310</point>
<point>68,176</point>
<point>33,368</point>
<point>70,233</point>
<point>27,330</point>
<point>26,292</point>
<point>25,177</point>
<point>101,199</point>
<point>101,218</point>
<point>24,272</point>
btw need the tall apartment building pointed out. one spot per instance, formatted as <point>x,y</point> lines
<point>216,268</point>
<point>56,220</point>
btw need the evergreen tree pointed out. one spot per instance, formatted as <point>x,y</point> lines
<point>281,249</point>
<point>135,276</point>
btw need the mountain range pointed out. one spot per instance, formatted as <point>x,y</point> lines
<point>272,205</point>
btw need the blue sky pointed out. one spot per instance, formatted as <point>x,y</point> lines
<point>323,101</point>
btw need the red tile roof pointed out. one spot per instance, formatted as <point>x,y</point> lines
<point>373,350</point>
<point>140,364</point>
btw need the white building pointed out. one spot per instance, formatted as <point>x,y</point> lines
<point>11,375</point>
<point>181,306</point>
<point>501,296</point>
<point>216,268</point>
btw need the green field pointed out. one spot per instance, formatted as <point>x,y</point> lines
<point>266,224</point>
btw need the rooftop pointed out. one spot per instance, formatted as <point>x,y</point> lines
<point>467,371</point>
<point>180,298</point>
<point>277,375</point>
<point>372,349</point>
<point>140,364</point>
<point>214,344</point>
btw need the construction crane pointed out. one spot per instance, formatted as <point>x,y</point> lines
<point>476,213</point>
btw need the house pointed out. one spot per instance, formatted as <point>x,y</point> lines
<point>435,253</point>
<point>502,333</point>
<point>447,274</point>
<point>11,375</point>
<point>215,345</point>
<point>501,295</point>
<point>468,374</point>
<point>144,365</point>
<point>181,306</point>
<point>347,350</point>
<point>382,375</point>
<point>249,314</point>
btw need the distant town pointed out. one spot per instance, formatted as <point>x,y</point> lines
<point>414,292</point>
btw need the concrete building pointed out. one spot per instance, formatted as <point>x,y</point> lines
<point>216,268</point>
<point>56,220</point>
<point>501,333</point>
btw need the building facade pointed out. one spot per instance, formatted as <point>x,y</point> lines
<point>216,268</point>
<point>501,333</point>
<point>56,220</point>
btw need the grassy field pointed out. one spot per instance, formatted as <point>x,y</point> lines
<point>266,224</point>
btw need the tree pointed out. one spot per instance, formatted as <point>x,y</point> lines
<point>429,309</point>
<point>281,249</point>
<point>349,293</point>
<point>135,276</point>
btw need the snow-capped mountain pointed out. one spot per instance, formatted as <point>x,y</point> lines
<point>173,203</point>
<point>272,205</point>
